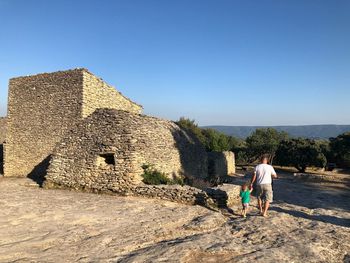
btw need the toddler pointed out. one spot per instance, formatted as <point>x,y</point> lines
<point>245,195</point>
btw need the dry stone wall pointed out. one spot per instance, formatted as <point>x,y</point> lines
<point>225,195</point>
<point>221,164</point>
<point>2,129</point>
<point>44,107</point>
<point>106,151</point>
<point>98,94</point>
<point>230,162</point>
<point>176,193</point>
<point>41,108</point>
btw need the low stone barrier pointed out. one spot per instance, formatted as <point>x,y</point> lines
<point>225,195</point>
<point>176,193</point>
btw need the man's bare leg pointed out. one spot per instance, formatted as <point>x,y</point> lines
<point>266,207</point>
<point>260,205</point>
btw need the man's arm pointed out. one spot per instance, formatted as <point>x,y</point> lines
<point>274,174</point>
<point>253,179</point>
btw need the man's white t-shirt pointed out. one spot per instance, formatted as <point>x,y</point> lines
<point>264,173</point>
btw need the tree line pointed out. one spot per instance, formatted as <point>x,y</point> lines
<point>279,146</point>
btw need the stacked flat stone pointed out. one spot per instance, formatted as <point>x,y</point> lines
<point>2,129</point>
<point>106,151</point>
<point>225,195</point>
<point>175,193</point>
<point>43,108</point>
<point>95,139</point>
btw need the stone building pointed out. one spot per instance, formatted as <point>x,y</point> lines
<point>43,108</point>
<point>106,151</point>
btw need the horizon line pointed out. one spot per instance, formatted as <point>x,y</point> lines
<point>220,125</point>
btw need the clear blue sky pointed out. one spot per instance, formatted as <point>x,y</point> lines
<point>218,62</point>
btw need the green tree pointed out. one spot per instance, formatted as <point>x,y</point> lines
<point>264,141</point>
<point>213,140</point>
<point>340,149</point>
<point>191,126</point>
<point>216,141</point>
<point>325,148</point>
<point>239,147</point>
<point>300,153</point>
<point>235,143</point>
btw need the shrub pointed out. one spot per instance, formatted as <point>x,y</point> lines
<point>178,180</point>
<point>155,177</point>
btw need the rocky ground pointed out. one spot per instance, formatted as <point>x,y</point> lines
<point>308,222</point>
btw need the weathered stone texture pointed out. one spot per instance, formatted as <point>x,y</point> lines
<point>230,162</point>
<point>98,94</point>
<point>221,164</point>
<point>106,151</point>
<point>41,109</point>
<point>2,129</point>
<point>176,193</point>
<point>225,195</point>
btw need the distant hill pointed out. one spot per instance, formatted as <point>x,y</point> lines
<point>306,131</point>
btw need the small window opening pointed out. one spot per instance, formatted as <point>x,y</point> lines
<point>106,159</point>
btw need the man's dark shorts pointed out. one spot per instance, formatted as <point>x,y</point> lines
<point>264,192</point>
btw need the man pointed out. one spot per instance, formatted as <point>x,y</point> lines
<point>263,175</point>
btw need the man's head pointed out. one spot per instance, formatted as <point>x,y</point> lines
<point>264,159</point>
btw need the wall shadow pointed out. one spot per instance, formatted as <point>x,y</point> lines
<point>39,172</point>
<point>217,165</point>
<point>193,156</point>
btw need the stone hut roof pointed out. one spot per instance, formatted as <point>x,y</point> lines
<point>109,147</point>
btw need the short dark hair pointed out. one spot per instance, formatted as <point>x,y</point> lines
<point>265,156</point>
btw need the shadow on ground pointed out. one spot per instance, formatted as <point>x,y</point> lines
<point>311,194</point>
<point>165,245</point>
<point>322,218</point>
<point>39,172</point>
